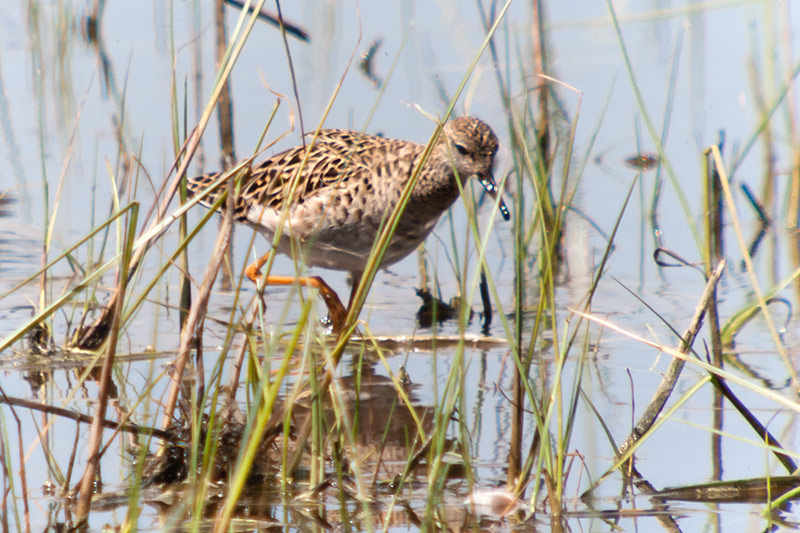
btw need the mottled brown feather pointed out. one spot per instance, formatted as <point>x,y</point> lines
<point>350,182</point>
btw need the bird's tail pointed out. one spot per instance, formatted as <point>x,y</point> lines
<point>199,184</point>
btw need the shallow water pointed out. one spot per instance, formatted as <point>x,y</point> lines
<point>62,100</point>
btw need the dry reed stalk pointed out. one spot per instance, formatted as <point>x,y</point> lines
<point>714,254</point>
<point>192,330</point>
<point>225,118</point>
<point>539,55</point>
<point>122,425</point>
<point>662,394</point>
<point>96,432</point>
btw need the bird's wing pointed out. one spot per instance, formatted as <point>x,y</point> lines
<point>336,157</point>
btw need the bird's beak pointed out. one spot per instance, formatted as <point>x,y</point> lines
<point>491,187</point>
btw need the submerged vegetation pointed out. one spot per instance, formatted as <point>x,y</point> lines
<point>251,413</point>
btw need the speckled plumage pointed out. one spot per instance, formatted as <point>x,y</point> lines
<point>351,182</point>
<point>347,185</point>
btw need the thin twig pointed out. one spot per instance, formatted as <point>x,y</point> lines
<point>664,390</point>
<point>128,427</point>
<point>284,31</point>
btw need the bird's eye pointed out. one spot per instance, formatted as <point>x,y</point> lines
<point>461,149</point>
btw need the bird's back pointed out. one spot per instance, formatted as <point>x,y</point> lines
<point>336,161</point>
<point>346,184</point>
<point>333,197</point>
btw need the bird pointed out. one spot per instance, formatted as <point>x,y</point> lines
<point>340,189</point>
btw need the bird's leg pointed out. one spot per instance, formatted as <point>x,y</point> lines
<point>355,279</point>
<point>253,271</point>
<point>336,311</point>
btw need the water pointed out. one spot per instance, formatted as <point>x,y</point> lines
<point>63,100</point>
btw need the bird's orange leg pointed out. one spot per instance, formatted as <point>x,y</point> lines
<point>253,271</point>
<point>336,311</point>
